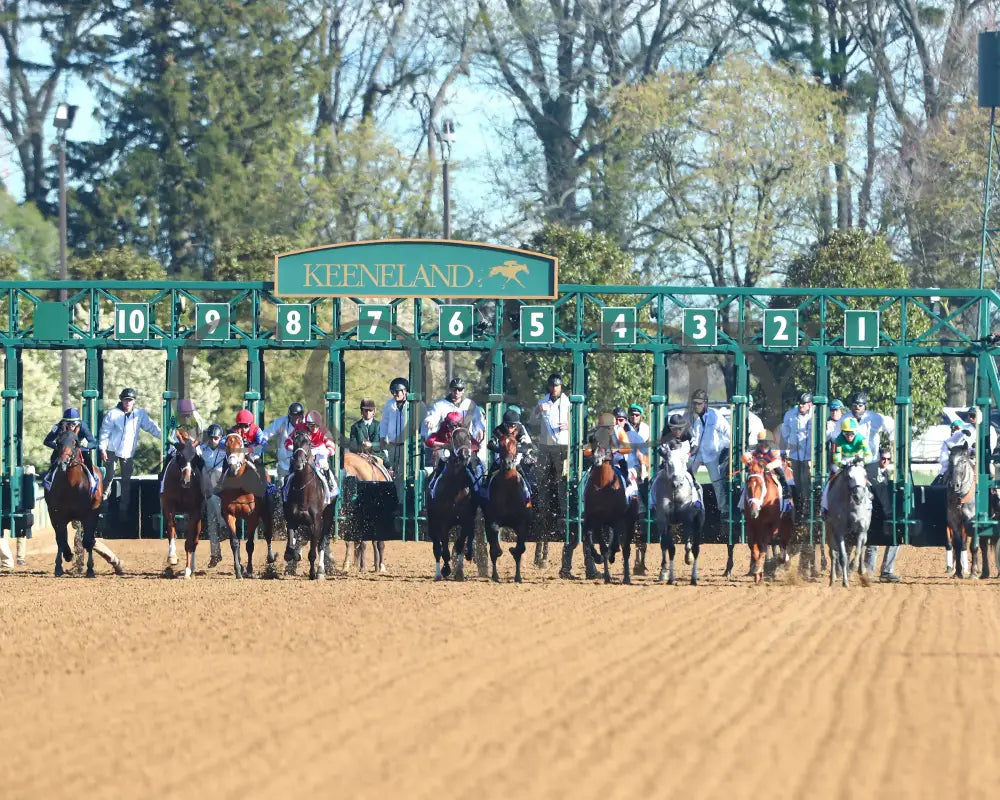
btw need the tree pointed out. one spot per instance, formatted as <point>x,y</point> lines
<point>28,239</point>
<point>726,162</point>
<point>856,259</point>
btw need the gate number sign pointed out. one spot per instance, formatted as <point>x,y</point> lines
<point>211,322</point>
<point>781,328</point>
<point>701,326</point>
<point>455,324</point>
<point>131,321</point>
<point>618,326</point>
<point>861,328</point>
<point>374,323</point>
<point>538,325</point>
<point>294,322</point>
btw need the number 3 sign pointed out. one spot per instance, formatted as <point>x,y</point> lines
<point>701,326</point>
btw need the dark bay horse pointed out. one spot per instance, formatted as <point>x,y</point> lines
<point>507,507</point>
<point>244,500</point>
<point>676,502</point>
<point>454,504</point>
<point>365,469</point>
<point>607,515</point>
<point>181,493</point>
<point>762,513</point>
<point>961,501</point>
<point>71,498</point>
<point>306,514</point>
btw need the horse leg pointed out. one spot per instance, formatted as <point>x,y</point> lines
<point>191,543</point>
<point>566,567</point>
<point>949,553</point>
<point>62,547</point>
<point>250,531</point>
<point>517,550</point>
<point>729,560</point>
<point>234,543</point>
<point>493,542</point>
<point>640,557</point>
<point>695,551</point>
<point>171,525</point>
<point>542,552</point>
<point>626,543</point>
<point>607,540</point>
<point>842,552</point>
<point>378,548</point>
<point>667,546</point>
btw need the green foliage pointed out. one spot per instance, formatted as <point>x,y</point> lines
<point>856,259</point>
<point>116,264</point>
<point>27,240</point>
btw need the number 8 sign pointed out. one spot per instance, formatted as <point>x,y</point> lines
<point>294,322</point>
<point>701,326</point>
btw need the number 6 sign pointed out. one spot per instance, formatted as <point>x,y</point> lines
<point>701,326</point>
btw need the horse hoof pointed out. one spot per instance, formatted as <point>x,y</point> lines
<point>543,564</point>
<point>627,581</point>
<point>187,574</point>
<point>214,561</point>
<point>172,561</point>
<point>694,580</point>
<point>59,570</point>
<point>496,578</point>
<point>671,582</point>
<point>438,578</point>
<point>517,579</point>
<point>566,575</point>
<point>445,571</point>
<point>91,573</point>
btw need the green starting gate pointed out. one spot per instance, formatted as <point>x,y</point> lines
<point>744,325</point>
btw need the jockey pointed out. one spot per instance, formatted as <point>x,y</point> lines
<point>960,432</point>
<point>849,445</point>
<point>254,441</point>
<point>607,434</point>
<point>440,443</point>
<point>677,435</point>
<point>870,423</point>
<point>365,433</point>
<point>770,460</point>
<point>456,402</point>
<point>71,421</point>
<point>512,424</point>
<point>323,449</point>
<point>187,425</point>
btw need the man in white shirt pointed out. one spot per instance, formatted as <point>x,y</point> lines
<point>796,438</point>
<point>871,424</point>
<point>280,430</point>
<point>710,435</point>
<point>551,415</point>
<point>639,436</point>
<point>754,424</point>
<point>455,400</point>
<point>392,432</point>
<point>117,440</point>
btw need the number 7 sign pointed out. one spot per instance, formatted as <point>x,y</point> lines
<point>374,323</point>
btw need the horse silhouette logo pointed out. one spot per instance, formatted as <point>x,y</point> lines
<point>509,270</point>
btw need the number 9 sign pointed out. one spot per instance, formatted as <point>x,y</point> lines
<point>701,326</point>
<point>294,322</point>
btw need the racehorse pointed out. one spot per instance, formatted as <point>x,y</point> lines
<point>850,514</point>
<point>762,512</point>
<point>181,493</point>
<point>961,507</point>
<point>507,506</point>
<point>306,513</point>
<point>454,503</point>
<point>243,499</point>
<point>675,502</point>
<point>367,470</point>
<point>71,497</point>
<point>608,514</point>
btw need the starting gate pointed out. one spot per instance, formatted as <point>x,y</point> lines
<point>741,324</point>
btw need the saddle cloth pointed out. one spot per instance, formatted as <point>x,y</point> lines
<point>47,480</point>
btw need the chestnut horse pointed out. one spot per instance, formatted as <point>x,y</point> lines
<point>181,493</point>
<point>70,497</point>
<point>762,513</point>
<point>507,507</point>
<point>454,503</point>
<point>305,510</point>
<point>243,499</point>
<point>365,469</point>
<point>607,514</point>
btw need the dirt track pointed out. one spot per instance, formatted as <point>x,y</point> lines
<point>399,687</point>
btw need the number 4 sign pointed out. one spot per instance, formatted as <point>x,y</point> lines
<point>618,326</point>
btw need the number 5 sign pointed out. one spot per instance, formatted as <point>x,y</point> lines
<point>538,325</point>
<point>294,322</point>
<point>701,326</point>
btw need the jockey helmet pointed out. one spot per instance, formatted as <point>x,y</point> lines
<point>399,384</point>
<point>805,397</point>
<point>619,412</point>
<point>699,394</point>
<point>973,411</point>
<point>244,417</point>
<point>214,430</point>
<point>367,403</point>
<point>452,420</point>
<point>457,383</point>
<point>296,410</point>
<point>956,424</point>
<point>185,406</point>
<point>859,399</point>
<point>128,392</point>
<point>849,425</point>
<point>555,379</point>
<point>510,417</point>
<point>605,420</point>
<point>836,405</point>
<point>677,421</point>
<point>635,408</point>
<point>71,415</point>
<point>763,437</point>
<point>314,418</point>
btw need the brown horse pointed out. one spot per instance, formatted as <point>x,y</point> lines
<point>181,493</point>
<point>69,498</point>
<point>243,500</point>
<point>305,509</point>
<point>454,503</point>
<point>507,507</point>
<point>365,468</point>
<point>762,512</point>
<point>607,514</point>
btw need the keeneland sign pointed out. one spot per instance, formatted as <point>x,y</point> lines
<point>416,268</point>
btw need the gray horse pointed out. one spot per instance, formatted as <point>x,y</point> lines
<point>849,501</point>
<point>675,501</point>
<point>961,482</point>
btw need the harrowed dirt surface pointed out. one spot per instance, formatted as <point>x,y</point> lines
<point>395,686</point>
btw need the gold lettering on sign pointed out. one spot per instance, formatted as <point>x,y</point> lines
<point>312,276</point>
<point>462,276</point>
<point>389,278</point>
<point>351,276</point>
<point>370,274</point>
<point>439,274</point>
<point>421,279</point>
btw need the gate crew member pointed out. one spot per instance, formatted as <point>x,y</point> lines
<point>392,432</point>
<point>281,429</point>
<point>870,423</point>
<point>70,421</point>
<point>214,456</point>
<point>711,436</point>
<point>118,438</point>
<point>880,481</point>
<point>796,436</point>
<point>551,414</point>
<point>365,432</point>
<point>456,401</point>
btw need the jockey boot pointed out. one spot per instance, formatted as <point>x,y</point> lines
<point>786,493</point>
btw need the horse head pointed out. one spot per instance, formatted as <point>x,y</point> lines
<point>961,470</point>
<point>67,449</point>
<point>756,489</point>
<point>461,447</point>
<point>508,451</point>
<point>183,456</point>
<point>235,453</point>
<point>857,480</point>
<point>302,450</point>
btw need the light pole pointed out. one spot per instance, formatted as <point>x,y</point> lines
<point>63,122</point>
<point>446,138</point>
